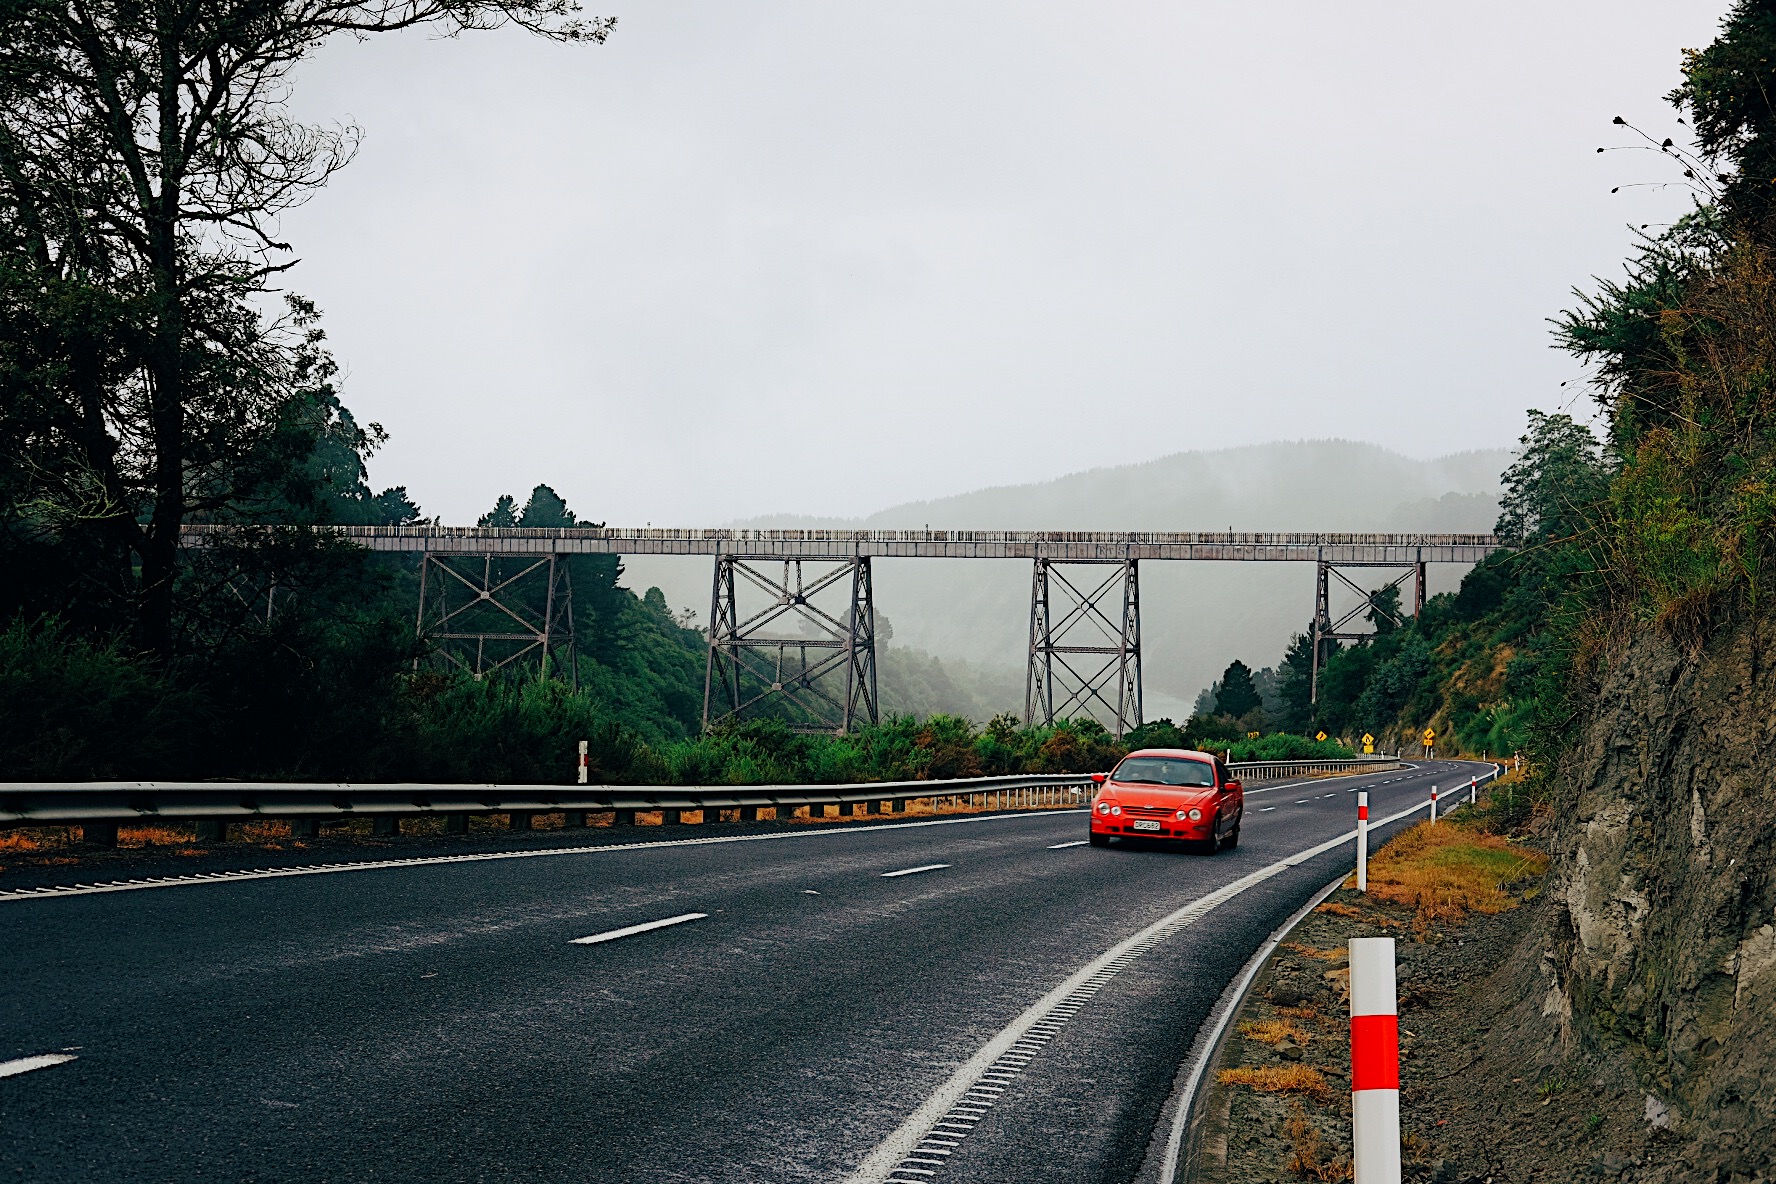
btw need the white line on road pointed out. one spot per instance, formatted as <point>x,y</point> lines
<point>1074,843</point>
<point>1265,809</point>
<point>366,865</point>
<point>26,1064</point>
<point>913,871</point>
<point>632,930</point>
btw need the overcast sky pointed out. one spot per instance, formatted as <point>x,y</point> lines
<point>825,257</point>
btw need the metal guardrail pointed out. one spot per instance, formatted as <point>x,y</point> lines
<point>100,806</point>
<point>1278,770</point>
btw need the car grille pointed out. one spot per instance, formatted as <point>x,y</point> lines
<point>1149,811</point>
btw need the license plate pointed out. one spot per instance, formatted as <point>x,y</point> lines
<point>1146,824</point>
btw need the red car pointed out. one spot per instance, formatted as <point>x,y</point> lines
<point>1168,793</point>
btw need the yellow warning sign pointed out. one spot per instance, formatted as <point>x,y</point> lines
<point>1253,735</point>
<point>1430,735</point>
<point>1320,736</point>
<point>1368,739</point>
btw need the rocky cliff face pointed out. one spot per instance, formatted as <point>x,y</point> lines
<point>1663,941</point>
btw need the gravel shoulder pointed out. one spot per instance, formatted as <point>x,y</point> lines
<point>1492,1090</point>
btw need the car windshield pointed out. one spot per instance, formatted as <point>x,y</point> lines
<point>1164,770</point>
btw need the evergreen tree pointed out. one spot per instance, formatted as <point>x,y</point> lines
<point>1238,696</point>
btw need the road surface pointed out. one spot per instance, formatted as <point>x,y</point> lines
<point>814,988</point>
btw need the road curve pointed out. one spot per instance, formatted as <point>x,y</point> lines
<point>769,1009</point>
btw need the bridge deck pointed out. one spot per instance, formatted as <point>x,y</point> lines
<point>1062,545</point>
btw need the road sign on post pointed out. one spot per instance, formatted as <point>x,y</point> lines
<point>1368,743</point>
<point>1320,735</point>
<point>1430,739</point>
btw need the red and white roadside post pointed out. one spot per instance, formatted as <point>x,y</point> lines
<point>1375,1062</point>
<point>1473,790</point>
<point>1433,803</point>
<point>1362,840</point>
<point>584,761</point>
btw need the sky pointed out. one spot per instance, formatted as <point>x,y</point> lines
<point>823,258</point>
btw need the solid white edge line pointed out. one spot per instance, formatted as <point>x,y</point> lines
<point>26,1064</point>
<point>913,871</point>
<point>57,891</point>
<point>632,930</point>
<point>882,1162</point>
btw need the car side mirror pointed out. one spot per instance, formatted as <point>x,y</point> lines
<point>1100,778</point>
<point>1229,786</point>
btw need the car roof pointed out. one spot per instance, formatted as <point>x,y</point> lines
<point>1188,753</point>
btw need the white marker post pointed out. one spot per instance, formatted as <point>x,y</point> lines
<point>1375,1062</point>
<point>1433,803</point>
<point>583,762</point>
<point>1473,790</point>
<point>1362,840</point>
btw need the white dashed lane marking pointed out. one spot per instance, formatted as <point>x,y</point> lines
<point>1074,843</point>
<point>1265,809</point>
<point>26,1064</point>
<point>913,871</point>
<point>632,930</point>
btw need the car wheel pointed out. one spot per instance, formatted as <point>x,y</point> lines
<point>1231,839</point>
<point>1100,840</point>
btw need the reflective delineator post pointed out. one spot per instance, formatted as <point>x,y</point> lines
<point>584,760</point>
<point>1362,840</point>
<point>1375,1062</point>
<point>1433,803</point>
<point>1473,790</point>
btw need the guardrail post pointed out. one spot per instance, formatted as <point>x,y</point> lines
<point>520,819</point>
<point>1362,840</point>
<point>574,818</point>
<point>456,824</point>
<point>1375,1062</point>
<point>847,809</point>
<point>816,811</point>
<point>899,805</point>
<point>712,814</point>
<point>749,813</point>
<point>386,824</point>
<point>305,828</point>
<point>623,818</point>
<point>212,830</point>
<point>99,834</point>
<point>671,817</point>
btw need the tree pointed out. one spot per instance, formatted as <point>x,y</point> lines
<point>1553,486</point>
<point>1238,696</point>
<point>145,156</point>
<point>1726,89</point>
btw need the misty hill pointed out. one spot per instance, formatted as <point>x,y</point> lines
<point>1196,617</point>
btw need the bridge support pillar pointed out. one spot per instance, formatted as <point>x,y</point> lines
<point>818,677</point>
<point>1383,611</point>
<point>1085,643</point>
<point>485,613</point>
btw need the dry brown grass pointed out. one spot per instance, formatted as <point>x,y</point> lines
<point>1306,1011</point>
<point>1308,1155</point>
<point>1280,1079</point>
<point>1337,909</point>
<point>1334,954</point>
<point>1444,871</point>
<point>1275,1032</point>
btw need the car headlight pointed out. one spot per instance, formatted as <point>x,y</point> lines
<point>1182,815</point>
<point>1196,815</point>
<point>1103,807</point>
<point>1116,809</point>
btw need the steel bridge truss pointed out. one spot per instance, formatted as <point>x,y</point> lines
<point>1085,646</point>
<point>820,678</point>
<point>1326,629</point>
<point>488,613</point>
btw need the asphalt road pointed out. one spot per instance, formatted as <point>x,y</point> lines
<point>437,1020</point>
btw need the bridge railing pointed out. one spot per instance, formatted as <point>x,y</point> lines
<point>100,807</point>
